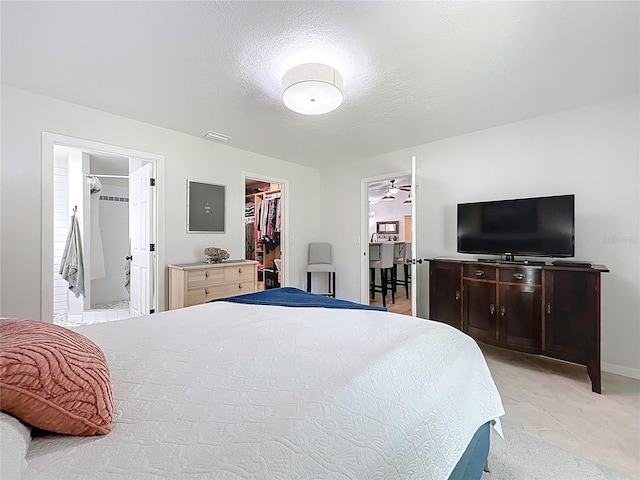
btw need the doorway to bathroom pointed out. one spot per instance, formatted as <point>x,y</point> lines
<point>107,199</point>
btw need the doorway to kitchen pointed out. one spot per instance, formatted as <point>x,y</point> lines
<point>388,220</point>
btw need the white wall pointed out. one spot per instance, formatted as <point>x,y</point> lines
<point>592,152</point>
<point>25,116</point>
<point>61,230</point>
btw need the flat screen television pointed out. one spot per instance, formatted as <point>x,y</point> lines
<point>542,226</point>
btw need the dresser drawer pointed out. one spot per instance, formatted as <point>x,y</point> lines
<point>528,276</point>
<point>480,272</point>
<point>239,273</point>
<point>204,294</point>
<point>204,278</point>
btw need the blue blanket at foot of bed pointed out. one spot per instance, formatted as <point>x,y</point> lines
<point>294,297</point>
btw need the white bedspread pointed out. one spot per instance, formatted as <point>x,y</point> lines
<point>230,391</point>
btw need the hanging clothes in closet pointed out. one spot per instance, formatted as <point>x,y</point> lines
<point>267,226</point>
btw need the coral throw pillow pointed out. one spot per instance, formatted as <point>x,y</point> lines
<point>54,378</point>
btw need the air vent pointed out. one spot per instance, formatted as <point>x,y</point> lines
<point>218,137</point>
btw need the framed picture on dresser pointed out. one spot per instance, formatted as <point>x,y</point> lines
<point>205,207</point>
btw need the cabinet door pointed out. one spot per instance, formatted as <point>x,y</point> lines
<point>571,315</point>
<point>480,310</point>
<point>519,315</point>
<point>445,290</point>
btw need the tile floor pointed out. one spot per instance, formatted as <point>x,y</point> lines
<point>553,401</point>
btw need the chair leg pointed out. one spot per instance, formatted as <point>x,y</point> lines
<point>383,277</point>
<point>372,275</point>
<point>333,292</point>
<point>393,287</point>
<point>308,281</point>
<point>406,279</point>
<point>394,277</point>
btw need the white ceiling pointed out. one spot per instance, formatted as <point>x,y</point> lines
<point>414,72</point>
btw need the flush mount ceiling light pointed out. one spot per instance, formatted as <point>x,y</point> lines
<point>312,89</point>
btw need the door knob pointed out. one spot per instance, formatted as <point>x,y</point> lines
<point>129,257</point>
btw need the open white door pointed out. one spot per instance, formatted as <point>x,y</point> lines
<point>415,278</point>
<point>142,241</point>
<point>420,242</point>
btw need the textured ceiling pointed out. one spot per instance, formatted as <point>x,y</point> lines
<point>414,72</point>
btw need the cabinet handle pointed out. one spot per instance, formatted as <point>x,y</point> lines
<point>548,308</point>
<point>502,311</point>
<point>457,294</point>
<point>492,309</point>
<point>240,270</point>
<point>479,273</point>
<point>518,276</point>
<point>206,273</point>
<point>206,291</point>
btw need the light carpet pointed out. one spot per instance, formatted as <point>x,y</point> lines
<point>523,457</point>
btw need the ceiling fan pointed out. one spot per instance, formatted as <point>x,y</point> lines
<point>393,188</point>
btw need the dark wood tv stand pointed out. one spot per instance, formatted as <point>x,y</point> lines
<point>543,309</point>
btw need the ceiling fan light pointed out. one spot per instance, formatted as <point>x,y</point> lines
<point>394,190</point>
<point>388,197</point>
<point>312,89</point>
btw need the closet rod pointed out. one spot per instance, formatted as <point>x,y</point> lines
<point>105,175</point>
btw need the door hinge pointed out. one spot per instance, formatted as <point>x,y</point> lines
<point>152,182</point>
<point>152,247</point>
<point>153,310</point>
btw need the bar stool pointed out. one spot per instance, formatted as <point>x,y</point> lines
<point>385,264</point>
<point>401,253</point>
<point>320,262</point>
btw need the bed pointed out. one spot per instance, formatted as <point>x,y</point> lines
<point>230,390</point>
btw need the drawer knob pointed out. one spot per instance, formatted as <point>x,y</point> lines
<point>479,273</point>
<point>240,270</point>
<point>206,273</point>
<point>239,286</point>
<point>518,276</point>
<point>206,291</point>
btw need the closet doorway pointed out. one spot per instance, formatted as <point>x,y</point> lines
<point>264,232</point>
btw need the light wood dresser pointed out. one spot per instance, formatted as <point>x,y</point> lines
<point>195,283</point>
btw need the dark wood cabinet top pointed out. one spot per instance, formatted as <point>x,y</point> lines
<point>529,264</point>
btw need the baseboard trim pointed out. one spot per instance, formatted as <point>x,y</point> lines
<point>620,370</point>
